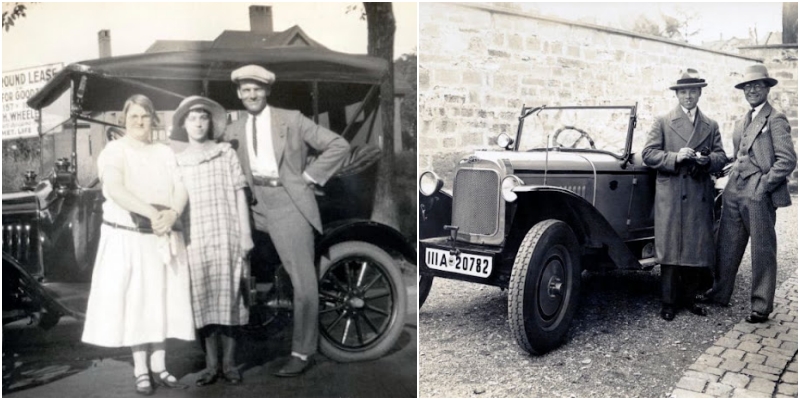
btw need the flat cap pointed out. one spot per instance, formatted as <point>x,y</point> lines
<point>253,72</point>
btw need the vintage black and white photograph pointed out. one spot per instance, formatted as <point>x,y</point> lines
<point>608,200</point>
<point>209,199</point>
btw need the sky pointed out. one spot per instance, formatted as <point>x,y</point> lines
<point>714,20</point>
<point>67,32</point>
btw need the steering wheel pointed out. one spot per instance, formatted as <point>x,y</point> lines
<point>583,133</point>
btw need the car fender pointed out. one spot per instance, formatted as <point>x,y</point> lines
<point>383,236</point>
<point>537,203</point>
<point>435,211</point>
<point>31,286</point>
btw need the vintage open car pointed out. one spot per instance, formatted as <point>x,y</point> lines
<point>51,230</point>
<point>568,193</point>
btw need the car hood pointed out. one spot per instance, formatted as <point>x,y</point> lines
<point>19,202</point>
<point>572,161</point>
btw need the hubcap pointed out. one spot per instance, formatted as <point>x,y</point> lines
<point>356,303</point>
<point>550,287</point>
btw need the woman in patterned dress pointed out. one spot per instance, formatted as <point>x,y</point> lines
<point>217,230</point>
<point>140,283</point>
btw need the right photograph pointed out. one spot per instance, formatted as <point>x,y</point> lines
<point>607,200</point>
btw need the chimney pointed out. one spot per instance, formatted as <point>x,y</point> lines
<point>104,43</point>
<point>261,19</point>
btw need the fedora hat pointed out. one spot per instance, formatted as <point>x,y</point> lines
<point>689,79</point>
<point>254,73</point>
<point>757,72</point>
<point>219,117</point>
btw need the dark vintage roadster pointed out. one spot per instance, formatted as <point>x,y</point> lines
<point>51,229</point>
<point>567,193</point>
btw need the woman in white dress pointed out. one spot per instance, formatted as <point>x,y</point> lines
<point>140,292</point>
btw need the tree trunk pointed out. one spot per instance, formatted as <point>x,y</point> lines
<point>381,28</point>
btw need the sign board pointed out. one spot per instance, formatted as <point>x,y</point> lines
<point>19,120</point>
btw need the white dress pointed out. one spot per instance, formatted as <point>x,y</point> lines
<point>140,283</point>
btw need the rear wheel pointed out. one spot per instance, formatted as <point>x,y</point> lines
<point>362,302</point>
<point>544,287</point>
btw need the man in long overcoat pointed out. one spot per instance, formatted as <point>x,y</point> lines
<point>684,146</point>
<point>764,157</point>
<point>273,149</point>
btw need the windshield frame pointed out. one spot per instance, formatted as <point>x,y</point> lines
<point>528,111</point>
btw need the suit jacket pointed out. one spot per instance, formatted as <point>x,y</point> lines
<point>293,136</point>
<point>768,156</point>
<point>684,203</point>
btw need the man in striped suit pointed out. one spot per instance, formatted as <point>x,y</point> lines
<point>764,157</point>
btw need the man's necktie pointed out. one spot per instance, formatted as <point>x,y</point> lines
<point>691,116</point>
<point>749,118</point>
<point>255,137</point>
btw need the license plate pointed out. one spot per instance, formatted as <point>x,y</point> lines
<point>467,264</point>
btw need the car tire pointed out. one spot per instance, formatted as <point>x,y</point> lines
<point>47,320</point>
<point>363,302</point>
<point>545,286</point>
<point>424,286</point>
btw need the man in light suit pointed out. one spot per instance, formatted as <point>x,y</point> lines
<point>764,157</point>
<point>273,149</point>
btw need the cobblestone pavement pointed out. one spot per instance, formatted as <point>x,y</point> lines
<point>752,360</point>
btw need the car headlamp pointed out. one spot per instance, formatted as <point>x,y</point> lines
<point>429,183</point>
<point>507,187</point>
<point>504,141</point>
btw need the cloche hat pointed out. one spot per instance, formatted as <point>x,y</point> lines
<point>219,117</point>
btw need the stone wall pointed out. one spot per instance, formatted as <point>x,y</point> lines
<point>479,63</point>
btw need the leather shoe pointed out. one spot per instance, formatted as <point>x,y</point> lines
<point>232,377</point>
<point>756,317</point>
<point>668,313</point>
<point>697,310</point>
<point>163,379</point>
<point>207,378</point>
<point>294,367</point>
<point>141,389</point>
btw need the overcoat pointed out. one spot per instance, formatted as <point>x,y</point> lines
<point>684,206</point>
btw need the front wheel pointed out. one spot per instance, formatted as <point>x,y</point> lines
<point>544,287</point>
<point>362,302</point>
<point>424,283</point>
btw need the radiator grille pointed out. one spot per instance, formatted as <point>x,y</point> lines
<point>476,195</point>
<point>17,239</point>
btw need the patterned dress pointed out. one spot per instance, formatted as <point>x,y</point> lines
<point>211,228</point>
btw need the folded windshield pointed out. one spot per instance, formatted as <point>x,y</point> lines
<point>565,128</point>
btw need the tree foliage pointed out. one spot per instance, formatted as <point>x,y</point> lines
<point>680,26</point>
<point>16,11</point>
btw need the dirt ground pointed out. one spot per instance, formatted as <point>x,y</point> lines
<point>617,346</point>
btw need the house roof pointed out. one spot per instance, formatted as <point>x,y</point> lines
<point>294,36</point>
<point>228,39</point>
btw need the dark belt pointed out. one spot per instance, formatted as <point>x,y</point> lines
<point>129,228</point>
<point>264,181</point>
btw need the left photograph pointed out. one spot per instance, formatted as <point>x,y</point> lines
<point>209,200</point>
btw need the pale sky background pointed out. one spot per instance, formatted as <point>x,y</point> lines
<point>727,19</point>
<point>67,32</point>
